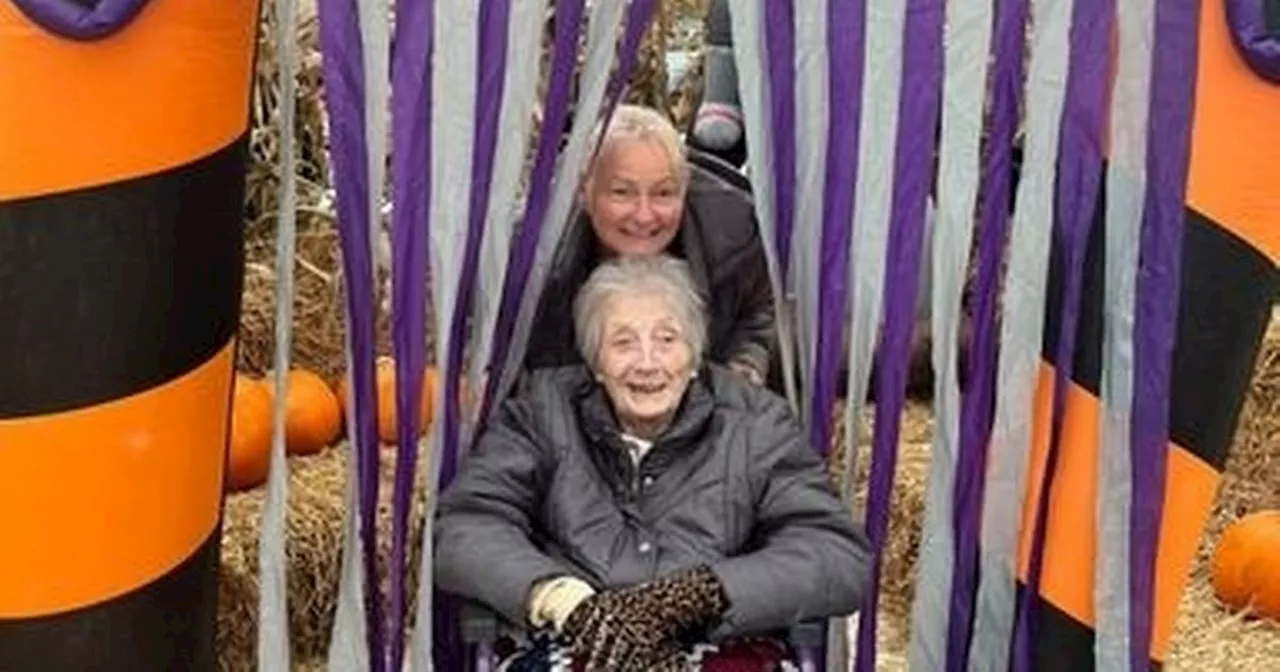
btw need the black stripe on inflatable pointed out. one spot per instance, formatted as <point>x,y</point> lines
<point>110,291</point>
<point>167,625</point>
<point>1228,289</point>
<point>1062,643</point>
<point>1272,9</point>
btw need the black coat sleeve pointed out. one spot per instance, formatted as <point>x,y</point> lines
<point>484,532</point>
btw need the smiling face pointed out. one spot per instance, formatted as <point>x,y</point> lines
<point>645,361</point>
<point>635,198</point>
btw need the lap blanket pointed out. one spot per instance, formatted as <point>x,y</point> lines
<point>543,653</point>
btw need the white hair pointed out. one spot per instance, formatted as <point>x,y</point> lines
<point>661,275</point>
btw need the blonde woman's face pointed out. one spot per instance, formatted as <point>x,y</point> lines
<point>645,361</point>
<point>635,199</point>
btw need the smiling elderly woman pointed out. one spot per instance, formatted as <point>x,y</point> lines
<point>627,509</point>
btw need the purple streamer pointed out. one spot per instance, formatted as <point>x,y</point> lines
<point>411,188</point>
<point>846,24</point>
<point>1173,82</point>
<point>1257,42</point>
<point>491,58</point>
<point>638,18</point>
<point>74,21</point>
<point>917,118</point>
<point>344,90</point>
<point>568,19</point>
<point>1079,175</point>
<point>978,398</point>
<point>780,45</point>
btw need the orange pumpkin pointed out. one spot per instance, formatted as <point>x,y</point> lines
<point>313,416</point>
<point>386,382</point>
<point>385,373</point>
<point>1245,571</point>
<point>250,443</point>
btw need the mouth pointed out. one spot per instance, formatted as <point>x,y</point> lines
<point>646,389</point>
<point>642,233</point>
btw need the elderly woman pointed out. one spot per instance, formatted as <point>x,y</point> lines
<point>647,501</point>
<point>640,197</point>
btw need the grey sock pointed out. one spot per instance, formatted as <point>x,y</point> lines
<point>719,120</point>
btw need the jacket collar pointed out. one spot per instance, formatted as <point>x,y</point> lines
<point>600,425</point>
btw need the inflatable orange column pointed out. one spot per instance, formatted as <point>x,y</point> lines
<point>122,168</point>
<point>1229,282</point>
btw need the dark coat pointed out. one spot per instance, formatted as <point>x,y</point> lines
<point>719,238</point>
<point>550,489</point>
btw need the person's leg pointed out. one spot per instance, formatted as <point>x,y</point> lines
<point>718,123</point>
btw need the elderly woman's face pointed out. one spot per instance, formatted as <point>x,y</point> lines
<point>635,201</point>
<point>645,361</point>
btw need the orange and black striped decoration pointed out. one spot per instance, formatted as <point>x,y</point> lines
<point>1228,287</point>
<point>122,168</point>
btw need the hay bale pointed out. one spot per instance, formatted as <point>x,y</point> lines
<point>314,524</point>
<point>1207,635</point>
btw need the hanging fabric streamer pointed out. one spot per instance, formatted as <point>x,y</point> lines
<point>601,48</point>
<point>273,603</point>
<point>918,109</point>
<point>412,191</point>
<point>343,68</point>
<point>964,84</point>
<point>845,41</point>
<point>750,59</point>
<point>555,110</point>
<point>1173,84</point>
<point>780,51</point>
<point>1126,174</point>
<point>873,195</point>
<point>514,123</point>
<point>979,396</point>
<point>1080,166</point>
<point>811,141</point>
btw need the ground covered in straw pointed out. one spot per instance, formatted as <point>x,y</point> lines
<point>1207,637</point>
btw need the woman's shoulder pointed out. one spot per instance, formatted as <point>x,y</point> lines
<point>542,403</point>
<point>724,214</point>
<point>756,406</point>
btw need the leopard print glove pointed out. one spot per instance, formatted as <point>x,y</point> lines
<point>637,627</point>
<point>608,631</point>
<point>685,600</point>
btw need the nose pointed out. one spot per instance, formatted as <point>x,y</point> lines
<point>645,212</point>
<point>649,358</point>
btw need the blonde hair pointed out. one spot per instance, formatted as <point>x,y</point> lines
<point>662,275</point>
<point>637,122</point>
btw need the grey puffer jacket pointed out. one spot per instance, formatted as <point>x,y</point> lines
<point>550,489</point>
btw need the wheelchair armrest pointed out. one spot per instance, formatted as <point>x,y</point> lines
<point>479,624</point>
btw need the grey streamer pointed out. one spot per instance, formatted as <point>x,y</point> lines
<point>1020,338</point>
<point>964,84</point>
<point>606,18</point>
<point>347,651</point>
<point>273,606</point>
<point>881,87</point>
<point>515,122</point>
<point>811,161</point>
<point>452,129</point>
<point>748,50</point>
<point>1126,180</point>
